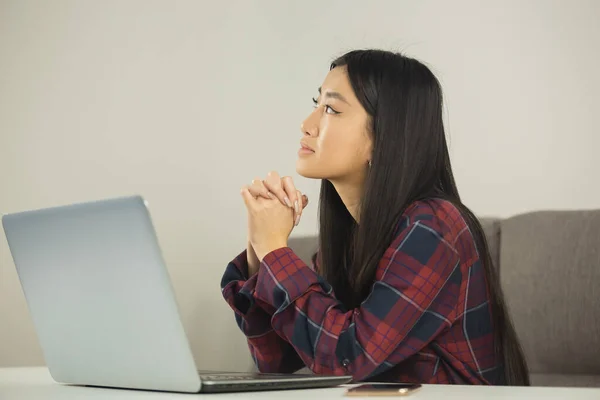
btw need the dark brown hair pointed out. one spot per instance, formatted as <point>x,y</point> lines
<point>410,162</point>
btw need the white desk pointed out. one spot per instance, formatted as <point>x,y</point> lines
<point>36,383</point>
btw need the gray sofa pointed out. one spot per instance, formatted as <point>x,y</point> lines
<point>549,265</point>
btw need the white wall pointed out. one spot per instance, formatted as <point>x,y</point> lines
<point>185,101</point>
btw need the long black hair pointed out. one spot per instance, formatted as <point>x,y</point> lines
<point>410,162</point>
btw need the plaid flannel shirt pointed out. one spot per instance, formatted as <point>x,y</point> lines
<point>427,318</point>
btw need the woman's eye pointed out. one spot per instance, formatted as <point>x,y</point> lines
<point>330,110</point>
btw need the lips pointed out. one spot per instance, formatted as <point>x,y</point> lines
<point>306,147</point>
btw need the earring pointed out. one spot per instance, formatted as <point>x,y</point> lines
<point>369,163</point>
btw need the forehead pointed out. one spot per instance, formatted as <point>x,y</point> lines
<point>337,81</point>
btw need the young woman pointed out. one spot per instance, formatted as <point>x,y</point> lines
<point>402,288</point>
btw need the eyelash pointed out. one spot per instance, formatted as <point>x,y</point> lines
<point>333,112</point>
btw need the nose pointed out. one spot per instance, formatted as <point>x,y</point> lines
<point>310,126</point>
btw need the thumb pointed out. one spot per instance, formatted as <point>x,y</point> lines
<point>304,201</point>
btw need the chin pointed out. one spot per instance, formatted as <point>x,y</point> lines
<point>304,169</point>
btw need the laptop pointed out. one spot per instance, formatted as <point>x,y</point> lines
<point>103,306</point>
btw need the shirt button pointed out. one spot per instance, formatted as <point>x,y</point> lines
<point>345,363</point>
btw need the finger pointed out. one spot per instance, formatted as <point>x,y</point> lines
<point>304,201</point>
<point>291,192</point>
<point>247,196</point>
<point>273,179</point>
<point>273,184</point>
<point>298,214</point>
<point>258,188</point>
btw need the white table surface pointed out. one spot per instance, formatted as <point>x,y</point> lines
<point>36,383</point>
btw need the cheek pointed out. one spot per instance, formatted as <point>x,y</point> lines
<point>342,145</point>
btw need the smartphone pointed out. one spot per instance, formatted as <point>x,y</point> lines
<point>385,389</point>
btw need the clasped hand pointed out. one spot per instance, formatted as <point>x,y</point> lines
<point>274,207</point>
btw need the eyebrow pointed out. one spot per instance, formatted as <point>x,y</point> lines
<point>334,95</point>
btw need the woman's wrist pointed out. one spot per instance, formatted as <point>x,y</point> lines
<point>269,248</point>
<point>253,261</point>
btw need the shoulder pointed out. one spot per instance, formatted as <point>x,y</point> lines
<point>425,247</point>
<point>440,217</point>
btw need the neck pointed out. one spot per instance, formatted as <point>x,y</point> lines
<point>351,194</point>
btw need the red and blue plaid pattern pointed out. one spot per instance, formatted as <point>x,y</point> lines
<point>427,318</point>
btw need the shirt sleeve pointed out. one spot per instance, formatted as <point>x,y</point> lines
<point>269,351</point>
<point>414,297</point>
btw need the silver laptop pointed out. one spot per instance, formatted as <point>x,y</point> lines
<point>103,306</point>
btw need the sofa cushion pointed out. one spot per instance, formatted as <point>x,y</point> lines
<point>550,272</point>
<point>558,380</point>
<point>304,247</point>
<point>491,228</point>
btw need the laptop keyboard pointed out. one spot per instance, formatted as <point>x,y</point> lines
<point>226,378</point>
<point>246,377</point>
<point>221,381</point>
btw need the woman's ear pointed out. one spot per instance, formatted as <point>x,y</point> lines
<point>369,150</point>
